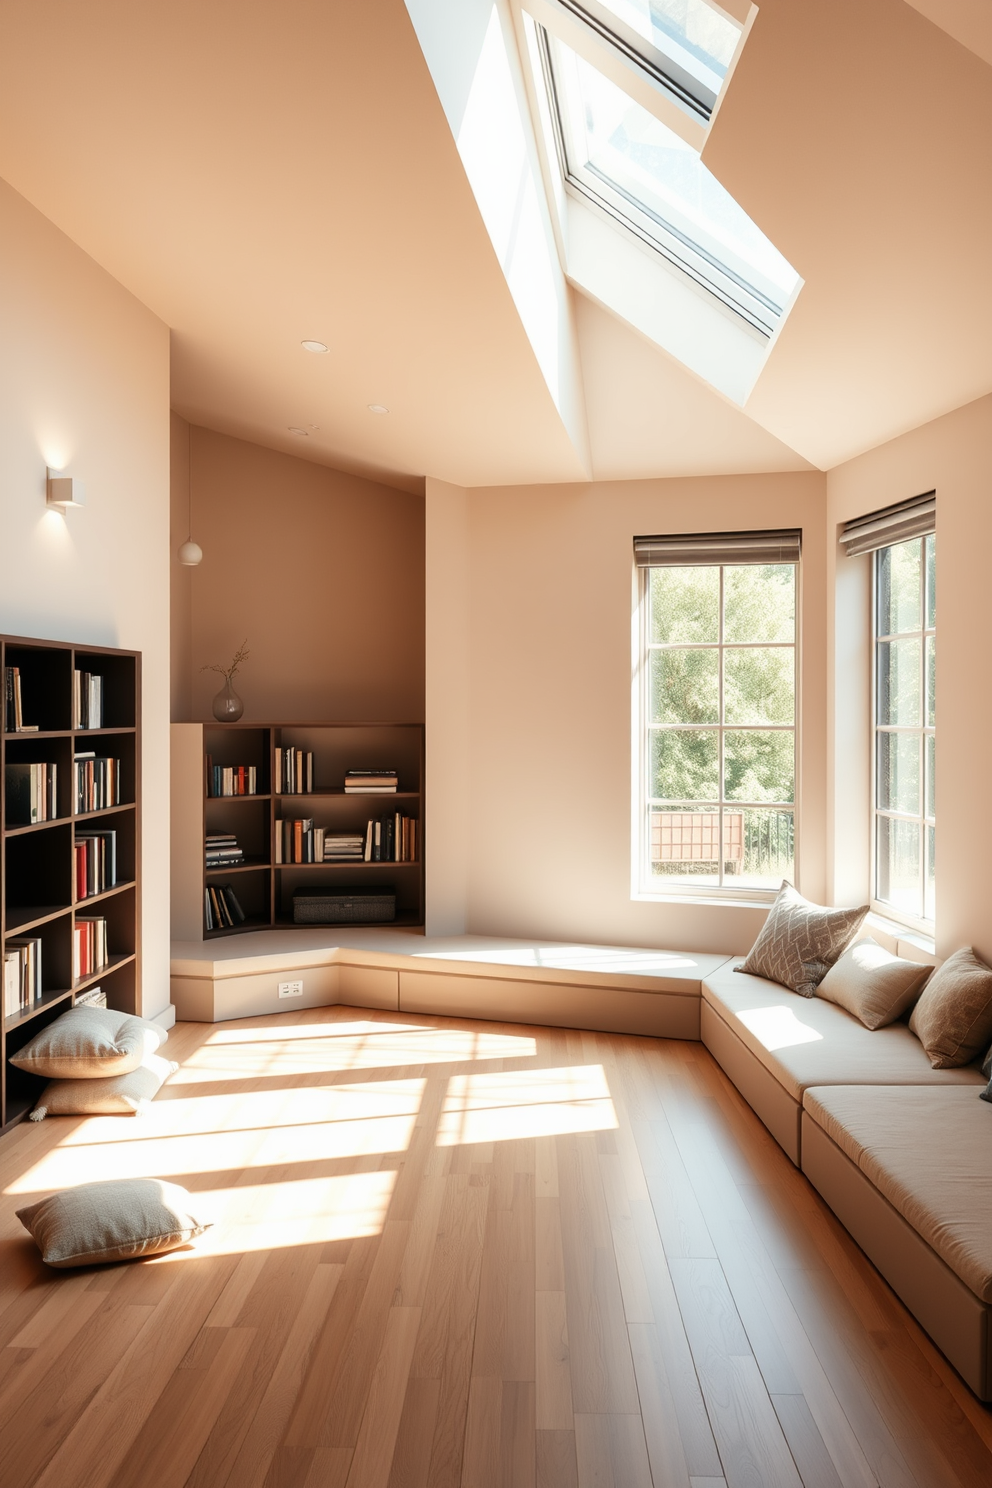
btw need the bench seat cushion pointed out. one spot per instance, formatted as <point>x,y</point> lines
<point>928,1151</point>
<point>805,1041</point>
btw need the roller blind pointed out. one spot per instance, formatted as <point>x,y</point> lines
<point>688,549</point>
<point>891,524</point>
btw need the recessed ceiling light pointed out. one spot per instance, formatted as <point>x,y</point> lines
<point>301,432</point>
<point>377,408</point>
<point>317,347</point>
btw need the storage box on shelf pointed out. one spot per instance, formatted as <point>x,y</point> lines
<point>264,882</point>
<point>44,822</point>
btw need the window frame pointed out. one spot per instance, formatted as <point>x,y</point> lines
<point>884,907</point>
<point>644,885</point>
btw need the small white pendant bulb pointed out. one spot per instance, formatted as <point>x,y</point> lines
<point>190,554</point>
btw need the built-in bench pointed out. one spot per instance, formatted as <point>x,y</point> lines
<point>613,989</point>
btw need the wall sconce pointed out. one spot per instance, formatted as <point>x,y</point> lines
<point>63,490</point>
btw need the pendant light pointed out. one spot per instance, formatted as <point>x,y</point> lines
<point>190,554</point>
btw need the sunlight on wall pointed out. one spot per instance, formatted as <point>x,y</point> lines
<point>272,1216</point>
<point>778,1027</point>
<point>525,1103</point>
<point>575,958</point>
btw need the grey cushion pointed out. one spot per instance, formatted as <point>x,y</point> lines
<point>953,1018</point>
<point>89,1043</point>
<point>800,941</point>
<point>874,985</point>
<point>113,1221</point>
<point>115,1095</point>
<point>986,1094</point>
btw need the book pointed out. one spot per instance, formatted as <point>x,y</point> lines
<point>90,949</point>
<point>223,910</point>
<point>31,792</point>
<point>11,982</point>
<point>231,780</point>
<point>391,839</point>
<point>97,782</point>
<point>222,850</point>
<point>95,862</point>
<point>13,705</point>
<point>293,772</point>
<point>28,973</point>
<point>87,700</point>
<point>371,782</point>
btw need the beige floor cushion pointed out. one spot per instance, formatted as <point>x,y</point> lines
<point>116,1095</point>
<point>113,1221</point>
<point>807,1041</point>
<point>89,1043</point>
<point>929,1153</point>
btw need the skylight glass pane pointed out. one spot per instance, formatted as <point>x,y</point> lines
<point>615,142</point>
<point>691,32</point>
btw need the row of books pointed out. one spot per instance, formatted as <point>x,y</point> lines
<point>13,709</point>
<point>97,781</point>
<point>95,862</point>
<point>87,700</point>
<point>223,850</point>
<point>231,780</point>
<point>92,997</point>
<point>390,839</point>
<point>31,793</point>
<point>371,782</point>
<point>222,909</point>
<point>90,946</point>
<point>21,974</point>
<point>293,772</point>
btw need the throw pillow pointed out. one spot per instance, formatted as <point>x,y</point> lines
<point>800,941</point>
<point>88,1043</point>
<point>953,1018</point>
<point>874,985</point>
<point>986,1094</point>
<point>112,1221</point>
<point>117,1095</point>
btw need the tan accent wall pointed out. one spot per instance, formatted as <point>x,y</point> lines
<point>952,455</point>
<point>546,807</point>
<point>322,572</point>
<point>84,385</point>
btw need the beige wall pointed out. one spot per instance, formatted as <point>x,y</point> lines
<point>84,385</point>
<point>181,578</point>
<point>545,810</point>
<point>952,455</point>
<point>322,572</point>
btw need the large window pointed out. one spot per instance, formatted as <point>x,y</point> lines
<point>904,726</point>
<point>717,704</point>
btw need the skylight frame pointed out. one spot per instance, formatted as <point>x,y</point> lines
<point>747,301</point>
<point>664,71</point>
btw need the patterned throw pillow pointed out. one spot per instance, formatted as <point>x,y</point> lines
<point>986,1094</point>
<point>800,941</point>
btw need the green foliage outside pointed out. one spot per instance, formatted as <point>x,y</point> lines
<point>758,689</point>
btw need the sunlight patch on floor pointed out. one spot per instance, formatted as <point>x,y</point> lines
<point>778,1028</point>
<point>252,1053</point>
<point>219,1133</point>
<point>273,1216</point>
<point>525,1103</point>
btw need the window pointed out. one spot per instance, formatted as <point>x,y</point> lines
<point>717,709</point>
<point>616,154</point>
<point>905,610</point>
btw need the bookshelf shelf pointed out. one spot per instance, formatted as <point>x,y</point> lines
<point>37,872</point>
<point>264,887</point>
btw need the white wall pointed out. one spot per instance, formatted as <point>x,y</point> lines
<point>952,455</point>
<point>538,578</point>
<point>84,385</point>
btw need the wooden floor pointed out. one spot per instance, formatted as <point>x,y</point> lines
<point>461,1253</point>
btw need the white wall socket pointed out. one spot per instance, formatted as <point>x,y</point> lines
<point>290,989</point>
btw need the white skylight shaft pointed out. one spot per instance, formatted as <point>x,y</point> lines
<point>623,158</point>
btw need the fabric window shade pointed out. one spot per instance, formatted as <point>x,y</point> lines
<point>892,524</point>
<point>685,550</point>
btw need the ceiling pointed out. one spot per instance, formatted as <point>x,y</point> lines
<point>258,174</point>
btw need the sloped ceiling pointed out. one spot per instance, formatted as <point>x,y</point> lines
<point>258,173</point>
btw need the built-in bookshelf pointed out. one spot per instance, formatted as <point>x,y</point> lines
<point>71,836</point>
<point>297,773</point>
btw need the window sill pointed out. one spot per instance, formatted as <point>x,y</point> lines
<point>912,945</point>
<point>713,900</point>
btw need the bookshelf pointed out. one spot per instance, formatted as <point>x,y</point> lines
<point>265,887</point>
<point>39,897</point>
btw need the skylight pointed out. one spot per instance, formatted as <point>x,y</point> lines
<point>688,45</point>
<point>625,160</point>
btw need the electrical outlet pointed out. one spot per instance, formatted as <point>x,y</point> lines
<point>290,989</point>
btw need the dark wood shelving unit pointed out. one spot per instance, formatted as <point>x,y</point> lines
<point>37,882</point>
<point>265,887</point>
